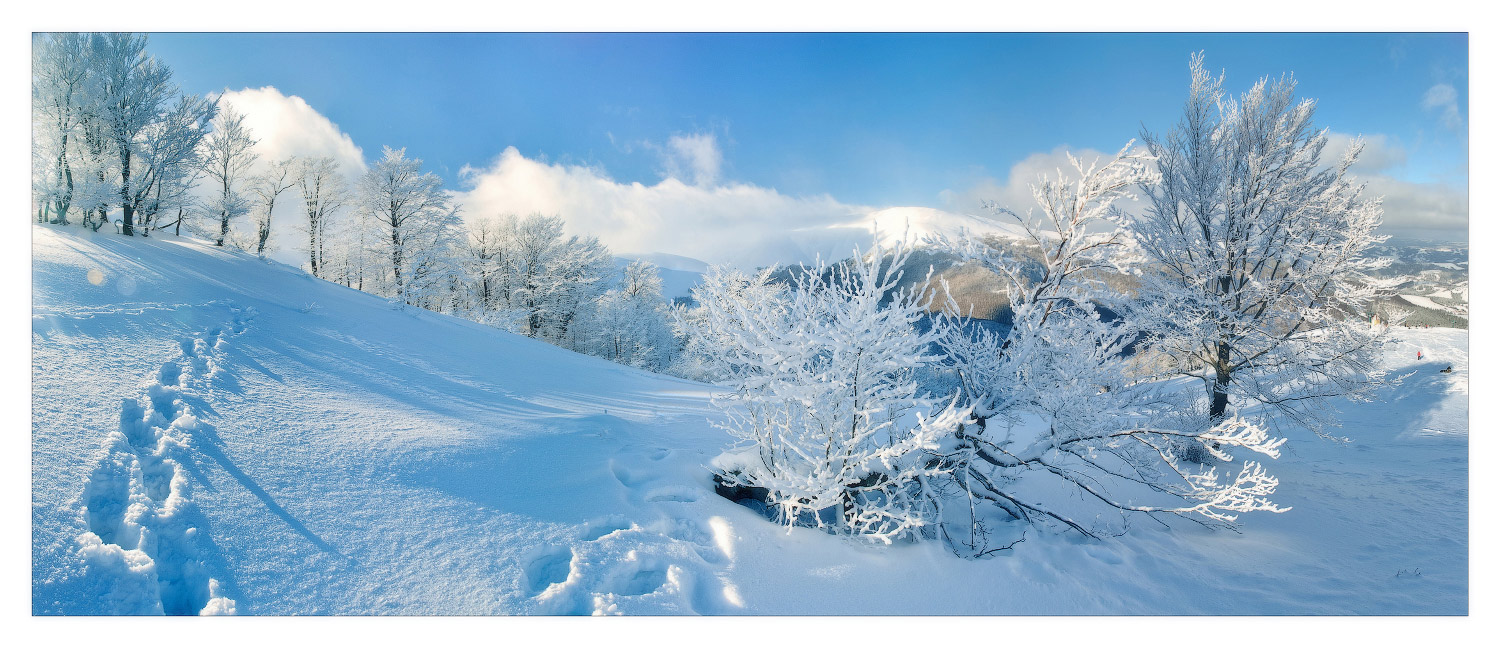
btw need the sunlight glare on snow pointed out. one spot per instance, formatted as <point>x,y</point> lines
<point>96,277</point>
<point>722,536</point>
<point>732,595</point>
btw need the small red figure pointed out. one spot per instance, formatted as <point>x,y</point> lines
<point>1419,354</point>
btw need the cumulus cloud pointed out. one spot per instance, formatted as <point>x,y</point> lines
<point>734,223</point>
<point>287,125</point>
<point>1442,99</point>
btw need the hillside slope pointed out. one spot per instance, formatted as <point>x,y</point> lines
<point>213,433</point>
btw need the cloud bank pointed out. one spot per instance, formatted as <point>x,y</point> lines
<point>1426,209</point>
<point>694,212</point>
<point>734,223</point>
<point>1431,210</point>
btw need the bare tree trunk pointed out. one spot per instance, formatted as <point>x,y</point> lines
<point>1221,384</point>
<point>126,208</point>
<point>396,262</point>
<point>64,173</point>
<point>312,243</point>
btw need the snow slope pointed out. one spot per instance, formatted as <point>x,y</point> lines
<point>213,433</point>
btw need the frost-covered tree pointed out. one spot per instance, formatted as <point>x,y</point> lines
<point>170,161</point>
<point>1060,430</point>
<point>133,90</point>
<point>823,396</point>
<point>699,356</point>
<point>97,176</point>
<point>228,156</point>
<point>60,99</point>
<point>438,277</point>
<point>546,280</point>
<point>488,254</point>
<point>411,212</point>
<point>269,184</point>
<point>1259,278</point>
<point>323,194</point>
<point>630,324</point>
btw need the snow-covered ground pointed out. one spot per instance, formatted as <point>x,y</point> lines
<point>1424,302</point>
<point>215,433</point>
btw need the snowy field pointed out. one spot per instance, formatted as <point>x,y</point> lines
<point>213,433</point>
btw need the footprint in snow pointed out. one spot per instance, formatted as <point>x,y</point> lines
<point>546,567</point>
<point>603,527</point>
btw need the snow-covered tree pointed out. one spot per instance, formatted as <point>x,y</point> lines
<point>630,324</point>
<point>699,358</point>
<point>229,154</point>
<point>275,179</point>
<point>438,277</point>
<point>60,75</point>
<point>822,393</point>
<point>133,90</point>
<point>1259,275</point>
<point>323,194</point>
<point>547,280</point>
<point>488,256</point>
<point>1054,410</point>
<point>170,161</point>
<point>412,214</point>
<point>97,175</point>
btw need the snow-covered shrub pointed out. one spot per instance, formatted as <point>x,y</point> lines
<point>822,394</point>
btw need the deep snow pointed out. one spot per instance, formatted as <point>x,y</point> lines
<point>216,433</point>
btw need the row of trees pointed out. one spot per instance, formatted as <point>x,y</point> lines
<point>113,136</point>
<point>1253,281</point>
<point>111,131</point>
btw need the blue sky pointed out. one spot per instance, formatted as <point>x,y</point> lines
<point>868,119</point>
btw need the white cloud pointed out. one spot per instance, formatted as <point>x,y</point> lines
<point>1443,100</point>
<point>694,158</point>
<point>287,125</point>
<point>1434,209</point>
<point>1431,209</point>
<point>1381,153</point>
<point>733,223</point>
